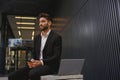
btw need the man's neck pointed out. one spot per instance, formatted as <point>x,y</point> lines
<point>44,33</point>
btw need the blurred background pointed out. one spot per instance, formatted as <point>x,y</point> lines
<point>90,30</point>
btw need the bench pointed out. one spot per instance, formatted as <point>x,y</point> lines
<point>70,69</point>
<point>63,77</point>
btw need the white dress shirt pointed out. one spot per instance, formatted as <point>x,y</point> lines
<point>43,42</point>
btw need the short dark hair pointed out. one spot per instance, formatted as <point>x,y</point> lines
<point>45,15</point>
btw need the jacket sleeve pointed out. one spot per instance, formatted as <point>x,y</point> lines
<point>57,49</point>
<point>33,55</point>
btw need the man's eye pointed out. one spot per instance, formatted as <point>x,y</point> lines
<point>43,20</point>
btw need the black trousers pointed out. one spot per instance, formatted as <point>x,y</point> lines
<point>32,74</point>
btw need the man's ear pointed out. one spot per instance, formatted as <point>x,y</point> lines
<point>50,23</point>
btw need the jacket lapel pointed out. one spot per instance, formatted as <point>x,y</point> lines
<point>48,39</point>
<point>39,44</point>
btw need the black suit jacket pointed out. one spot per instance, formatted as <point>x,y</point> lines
<point>51,51</point>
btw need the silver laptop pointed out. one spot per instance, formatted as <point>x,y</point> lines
<point>71,66</point>
<point>3,78</point>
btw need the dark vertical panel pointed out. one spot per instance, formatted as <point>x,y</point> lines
<point>3,45</point>
<point>114,62</point>
<point>93,33</point>
<point>0,29</point>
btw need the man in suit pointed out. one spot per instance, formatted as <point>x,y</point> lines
<point>46,53</point>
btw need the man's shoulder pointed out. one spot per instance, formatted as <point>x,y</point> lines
<point>55,33</point>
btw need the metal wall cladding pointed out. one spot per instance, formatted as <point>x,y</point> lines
<point>93,33</point>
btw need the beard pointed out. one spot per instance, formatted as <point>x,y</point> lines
<point>45,28</point>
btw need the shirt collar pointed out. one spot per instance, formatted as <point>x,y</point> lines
<point>47,33</point>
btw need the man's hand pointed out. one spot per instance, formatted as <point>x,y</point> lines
<point>34,63</point>
<point>29,64</point>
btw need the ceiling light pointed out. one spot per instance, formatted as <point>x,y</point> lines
<point>28,23</point>
<point>21,17</point>
<point>32,37</point>
<point>26,27</point>
<point>33,33</point>
<point>19,33</point>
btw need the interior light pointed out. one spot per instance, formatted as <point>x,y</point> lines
<point>26,27</point>
<point>32,37</point>
<point>28,23</point>
<point>21,17</point>
<point>33,33</point>
<point>19,32</point>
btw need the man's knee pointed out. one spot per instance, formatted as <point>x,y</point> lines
<point>18,74</point>
<point>33,76</point>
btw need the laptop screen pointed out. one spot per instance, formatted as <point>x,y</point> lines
<point>71,66</point>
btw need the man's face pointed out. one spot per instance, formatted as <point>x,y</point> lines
<point>43,24</point>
